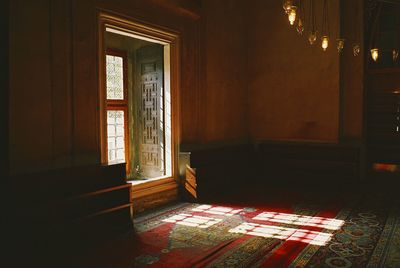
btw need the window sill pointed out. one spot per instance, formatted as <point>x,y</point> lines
<point>152,186</point>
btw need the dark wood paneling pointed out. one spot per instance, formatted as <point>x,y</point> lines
<point>86,147</point>
<point>309,164</point>
<point>383,125</point>
<point>4,94</point>
<point>382,99</point>
<point>4,117</point>
<point>61,80</point>
<point>382,104</point>
<point>57,209</point>
<point>43,186</point>
<point>191,97</point>
<point>384,81</point>
<point>220,169</point>
<point>243,168</point>
<point>384,154</point>
<point>215,154</point>
<point>30,95</point>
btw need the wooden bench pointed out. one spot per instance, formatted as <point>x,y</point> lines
<point>66,209</point>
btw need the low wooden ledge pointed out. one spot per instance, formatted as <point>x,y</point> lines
<point>145,188</point>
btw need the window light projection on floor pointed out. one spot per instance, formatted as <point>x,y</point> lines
<point>326,223</point>
<point>283,233</point>
<point>217,210</point>
<point>192,220</point>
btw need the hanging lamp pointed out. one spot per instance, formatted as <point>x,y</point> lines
<point>374,36</point>
<point>312,36</point>
<point>325,27</point>
<point>300,22</point>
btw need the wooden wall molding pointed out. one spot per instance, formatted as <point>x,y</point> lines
<point>188,9</point>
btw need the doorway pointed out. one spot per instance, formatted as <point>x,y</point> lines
<point>138,98</point>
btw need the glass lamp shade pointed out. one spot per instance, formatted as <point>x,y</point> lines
<point>287,5</point>
<point>340,44</point>
<point>356,50</point>
<point>395,55</point>
<point>292,15</point>
<point>325,42</point>
<point>312,38</point>
<point>375,54</point>
<point>300,27</point>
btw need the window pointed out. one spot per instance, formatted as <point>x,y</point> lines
<point>117,107</point>
<point>139,104</point>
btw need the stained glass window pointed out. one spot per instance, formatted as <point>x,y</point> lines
<point>115,78</point>
<point>116,136</point>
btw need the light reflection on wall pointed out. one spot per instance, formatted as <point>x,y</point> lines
<point>216,210</point>
<point>284,233</point>
<point>192,220</point>
<point>326,223</point>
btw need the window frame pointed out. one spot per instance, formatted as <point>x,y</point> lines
<point>171,40</point>
<point>118,105</point>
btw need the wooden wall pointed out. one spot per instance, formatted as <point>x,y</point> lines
<point>297,104</point>
<point>245,74</point>
<point>225,73</point>
<point>352,71</point>
<point>54,117</point>
<point>293,87</point>
<point>4,95</point>
<point>30,94</point>
<point>261,81</point>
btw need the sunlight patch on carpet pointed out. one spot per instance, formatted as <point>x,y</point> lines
<point>283,233</point>
<point>217,210</point>
<point>192,220</point>
<point>303,220</point>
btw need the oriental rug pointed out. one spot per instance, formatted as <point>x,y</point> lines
<point>361,234</point>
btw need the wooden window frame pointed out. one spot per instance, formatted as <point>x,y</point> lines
<point>119,105</point>
<point>171,40</point>
<point>124,56</point>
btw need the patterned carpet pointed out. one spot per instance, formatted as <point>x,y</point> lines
<point>360,234</point>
